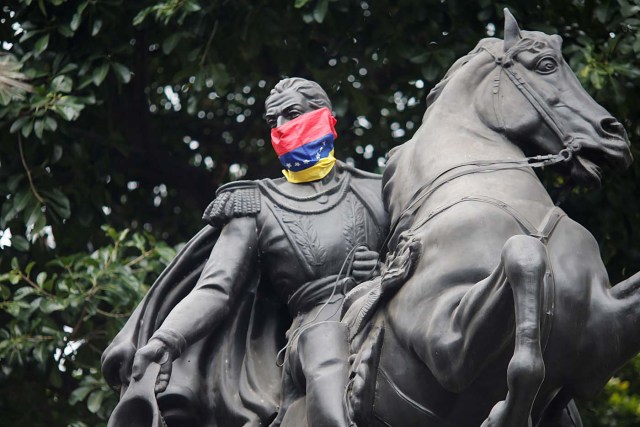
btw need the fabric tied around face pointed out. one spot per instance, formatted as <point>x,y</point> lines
<point>304,146</point>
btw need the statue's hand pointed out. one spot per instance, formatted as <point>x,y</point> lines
<point>116,363</point>
<point>365,264</point>
<point>154,351</point>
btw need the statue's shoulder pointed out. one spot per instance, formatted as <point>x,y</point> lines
<point>360,174</point>
<point>233,200</point>
<point>361,180</point>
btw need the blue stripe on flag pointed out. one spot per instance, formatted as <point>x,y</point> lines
<point>308,154</point>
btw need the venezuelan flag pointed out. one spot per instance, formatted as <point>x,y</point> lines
<point>304,145</point>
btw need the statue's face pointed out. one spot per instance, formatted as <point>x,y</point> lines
<point>286,106</point>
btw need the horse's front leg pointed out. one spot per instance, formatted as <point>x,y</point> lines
<point>525,263</point>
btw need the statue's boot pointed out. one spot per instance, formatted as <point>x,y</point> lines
<point>324,352</point>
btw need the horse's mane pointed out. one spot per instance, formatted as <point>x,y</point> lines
<point>532,40</point>
<point>438,88</point>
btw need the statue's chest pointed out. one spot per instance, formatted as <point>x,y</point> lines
<point>320,241</point>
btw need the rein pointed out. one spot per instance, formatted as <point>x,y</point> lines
<point>430,187</point>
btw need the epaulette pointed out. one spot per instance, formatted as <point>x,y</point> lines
<point>233,200</point>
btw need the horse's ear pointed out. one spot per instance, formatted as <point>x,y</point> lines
<point>511,30</point>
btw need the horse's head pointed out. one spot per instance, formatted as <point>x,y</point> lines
<point>542,107</point>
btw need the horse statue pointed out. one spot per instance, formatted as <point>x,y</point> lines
<point>494,307</point>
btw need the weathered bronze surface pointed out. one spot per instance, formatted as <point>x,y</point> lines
<point>277,255</point>
<point>491,308</point>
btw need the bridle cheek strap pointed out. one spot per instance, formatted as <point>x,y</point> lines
<point>549,116</point>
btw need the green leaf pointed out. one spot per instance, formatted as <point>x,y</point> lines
<point>27,128</point>
<point>38,128</point>
<point>300,3</point>
<point>31,215</point>
<point>22,199</point>
<point>97,25</point>
<point>166,253</point>
<point>13,181</point>
<point>75,21</point>
<point>50,305</point>
<point>79,394</point>
<point>40,278</point>
<point>68,108</point>
<point>99,73</point>
<point>42,7</point>
<point>320,11</point>
<point>65,31</point>
<point>29,267</point>
<point>58,202</point>
<point>41,45</point>
<point>23,292</point>
<point>170,43</point>
<point>95,401</point>
<point>192,6</point>
<point>122,72</point>
<point>40,353</point>
<point>68,68</point>
<point>17,125</point>
<point>20,243</point>
<point>140,17</point>
<point>62,84</point>
<point>51,124</point>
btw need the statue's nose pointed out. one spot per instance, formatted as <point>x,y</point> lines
<point>282,120</point>
<point>612,127</point>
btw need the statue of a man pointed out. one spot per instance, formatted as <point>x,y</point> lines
<point>307,238</point>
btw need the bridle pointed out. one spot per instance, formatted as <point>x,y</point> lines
<point>507,65</point>
<point>549,116</point>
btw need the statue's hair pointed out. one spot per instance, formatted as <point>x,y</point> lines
<point>315,95</point>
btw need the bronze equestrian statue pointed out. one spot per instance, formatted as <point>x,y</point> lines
<point>494,308</point>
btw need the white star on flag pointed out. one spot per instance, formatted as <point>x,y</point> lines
<point>289,165</point>
<point>297,163</point>
<point>306,161</point>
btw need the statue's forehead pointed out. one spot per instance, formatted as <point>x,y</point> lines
<point>544,40</point>
<point>284,99</point>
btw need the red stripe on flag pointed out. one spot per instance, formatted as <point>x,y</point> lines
<point>301,130</point>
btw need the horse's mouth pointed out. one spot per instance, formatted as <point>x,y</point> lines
<point>586,171</point>
<point>586,167</point>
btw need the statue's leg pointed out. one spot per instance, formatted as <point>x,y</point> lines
<point>611,336</point>
<point>595,325</point>
<point>323,352</point>
<point>525,262</point>
<point>290,389</point>
<point>561,412</point>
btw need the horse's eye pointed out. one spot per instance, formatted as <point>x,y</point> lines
<point>546,65</point>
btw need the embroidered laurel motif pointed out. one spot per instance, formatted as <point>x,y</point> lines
<point>306,237</point>
<point>353,220</point>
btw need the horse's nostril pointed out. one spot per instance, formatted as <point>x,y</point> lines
<point>612,127</point>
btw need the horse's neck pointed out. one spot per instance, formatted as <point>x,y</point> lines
<point>449,136</point>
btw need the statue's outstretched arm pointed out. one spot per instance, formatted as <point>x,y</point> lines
<point>232,260</point>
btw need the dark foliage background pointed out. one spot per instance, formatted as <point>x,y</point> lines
<point>138,111</point>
